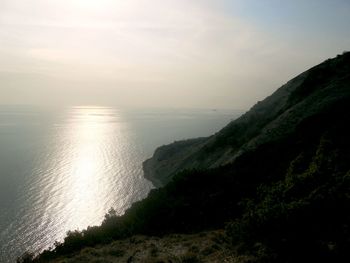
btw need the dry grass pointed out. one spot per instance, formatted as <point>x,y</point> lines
<point>196,248</point>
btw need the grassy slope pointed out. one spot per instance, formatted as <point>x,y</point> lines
<point>202,247</point>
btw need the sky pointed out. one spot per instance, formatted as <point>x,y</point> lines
<point>162,53</point>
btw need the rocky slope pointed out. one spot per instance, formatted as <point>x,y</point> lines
<point>274,118</point>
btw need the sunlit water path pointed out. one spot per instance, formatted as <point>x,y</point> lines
<point>63,169</point>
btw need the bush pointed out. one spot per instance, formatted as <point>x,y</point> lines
<point>27,257</point>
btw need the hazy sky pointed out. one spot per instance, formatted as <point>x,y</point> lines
<point>162,53</point>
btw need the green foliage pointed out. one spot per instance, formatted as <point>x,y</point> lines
<point>305,216</point>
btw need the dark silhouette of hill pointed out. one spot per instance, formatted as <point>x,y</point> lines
<point>277,178</point>
<point>275,117</point>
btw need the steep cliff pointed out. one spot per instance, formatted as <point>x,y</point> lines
<point>274,118</point>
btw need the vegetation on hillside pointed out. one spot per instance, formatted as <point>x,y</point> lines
<point>272,119</point>
<point>305,217</point>
<point>287,200</point>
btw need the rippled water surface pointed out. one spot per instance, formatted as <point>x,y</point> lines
<point>62,169</point>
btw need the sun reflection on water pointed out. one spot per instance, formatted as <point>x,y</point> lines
<point>94,167</point>
<point>91,136</point>
<point>69,166</point>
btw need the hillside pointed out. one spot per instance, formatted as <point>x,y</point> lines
<point>277,180</point>
<point>269,120</point>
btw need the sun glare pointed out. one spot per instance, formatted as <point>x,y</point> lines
<point>89,135</point>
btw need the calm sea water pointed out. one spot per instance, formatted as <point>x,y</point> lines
<point>62,169</point>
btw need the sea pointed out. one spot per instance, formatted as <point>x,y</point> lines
<point>63,168</point>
